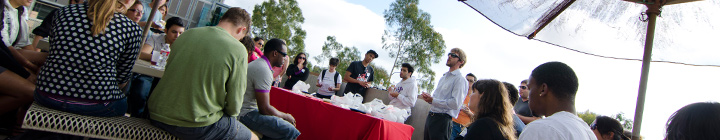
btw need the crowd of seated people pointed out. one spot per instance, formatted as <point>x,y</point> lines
<point>224,88</point>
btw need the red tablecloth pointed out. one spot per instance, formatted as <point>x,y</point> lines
<point>318,120</point>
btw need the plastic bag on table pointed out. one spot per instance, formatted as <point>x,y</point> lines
<point>300,86</point>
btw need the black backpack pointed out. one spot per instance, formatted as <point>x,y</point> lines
<point>334,77</point>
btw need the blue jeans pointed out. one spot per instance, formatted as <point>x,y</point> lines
<point>138,93</point>
<point>110,109</point>
<point>225,128</point>
<point>456,129</point>
<point>270,127</point>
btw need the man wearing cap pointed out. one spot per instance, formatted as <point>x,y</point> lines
<point>359,74</point>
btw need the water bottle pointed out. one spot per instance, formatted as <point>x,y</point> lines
<point>164,55</point>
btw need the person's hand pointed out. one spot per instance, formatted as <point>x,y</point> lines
<point>32,78</point>
<point>466,109</point>
<point>330,89</point>
<point>367,85</point>
<point>318,85</point>
<point>289,118</point>
<point>392,88</point>
<point>362,83</point>
<point>427,97</point>
<point>394,94</point>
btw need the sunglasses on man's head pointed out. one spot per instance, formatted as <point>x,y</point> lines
<point>523,87</point>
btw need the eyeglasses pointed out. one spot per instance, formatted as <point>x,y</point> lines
<point>522,87</point>
<point>282,53</point>
<point>453,55</point>
<point>260,43</point>
<point>593,126</point>
<point>302,58</point>
<point>135,10</point>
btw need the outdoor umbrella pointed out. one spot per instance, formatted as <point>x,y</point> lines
<point>616,29</point>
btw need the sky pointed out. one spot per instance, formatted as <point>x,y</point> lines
<point>607,86</point>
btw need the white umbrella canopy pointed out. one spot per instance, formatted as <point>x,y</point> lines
<point>685,32</point>
<point>617,29</point>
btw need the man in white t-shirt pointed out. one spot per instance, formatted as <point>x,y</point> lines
<point>175,27</point>
<point>329,80</point>
<point>404,94</point>
<point>553,86</point>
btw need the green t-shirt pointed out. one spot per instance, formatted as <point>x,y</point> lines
<point>205,77</point>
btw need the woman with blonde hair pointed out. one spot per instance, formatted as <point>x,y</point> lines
<point>92,50</point>
<point>493,112</point>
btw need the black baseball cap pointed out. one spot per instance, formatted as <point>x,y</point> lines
<point>373,52</point>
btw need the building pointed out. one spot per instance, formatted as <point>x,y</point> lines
<point>196,13</point>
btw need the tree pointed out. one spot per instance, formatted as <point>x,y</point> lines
<point>624,121</point>
<point>589,117</point>
<point>347,55</point>
<point>411,39</point>
<point>280,19</point>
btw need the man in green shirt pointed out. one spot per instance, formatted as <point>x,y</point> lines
<point>202,89</point>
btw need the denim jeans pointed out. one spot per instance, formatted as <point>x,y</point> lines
<point>138,93</point>
<point>109,109</point>
<point>270,127</point>
<point>225,128</point>
<point>456,129</point>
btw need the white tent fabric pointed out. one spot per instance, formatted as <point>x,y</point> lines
<point>685,33</point>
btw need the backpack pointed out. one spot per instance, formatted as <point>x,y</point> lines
<point>334,77</point>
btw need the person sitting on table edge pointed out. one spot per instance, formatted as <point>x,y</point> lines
<point>257,113</point>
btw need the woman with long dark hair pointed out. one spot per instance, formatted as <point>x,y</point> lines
<point>493,112</point>
<point>607,128</point>
<point>297,71</point>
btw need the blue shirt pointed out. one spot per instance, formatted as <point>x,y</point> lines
<point>146,13</point>
<point>450,94</point>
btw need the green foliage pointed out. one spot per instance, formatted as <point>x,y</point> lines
<point>332,48</point>
<point>627,123</point>
<point>381,76</point>
<point>411,39</point>
<point>587,116</point>
<point>347,55</point>
<point>280,19</point>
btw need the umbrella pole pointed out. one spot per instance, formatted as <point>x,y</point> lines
<point>652,12</point>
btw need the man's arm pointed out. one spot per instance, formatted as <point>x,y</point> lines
<point>409,96</point>
<point>146,52</point>
<point>459,89</point>
<point>263,101</point>
<point>236,85</point>
<point>526,119</point>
